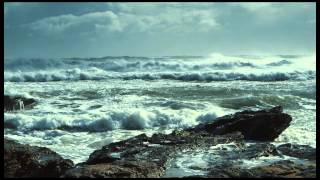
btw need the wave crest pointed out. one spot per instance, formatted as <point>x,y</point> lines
<point>134,120</point>
<point>215,68</point>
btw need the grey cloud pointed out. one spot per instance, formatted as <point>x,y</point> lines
<point>268,12</point>
<point>171,19</point>
<point>59,24</point>
<point>99,29</point>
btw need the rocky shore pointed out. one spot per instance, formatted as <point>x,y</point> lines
<point>31,161</point>
<point>143,156</point>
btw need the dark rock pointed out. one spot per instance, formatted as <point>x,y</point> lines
<point>12,103</point>
<point>143,156</point>
<point>299,151</point>
<point>286,169</point>
<point>118,169</point>
<point>263,125</point>
<point>280,169</point>
<point>259,150</point>
<point>234,155</point>
<point>31,161</point>
<point>229,172</point>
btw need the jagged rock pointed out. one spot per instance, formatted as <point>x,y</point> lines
<point>142,156</point>
<point>299,151</point>
<point>263,125</point>
<point>12,103</point>
<point>31,161</point>
<point>147,156</point>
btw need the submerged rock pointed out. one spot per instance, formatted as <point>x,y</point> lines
<point>12,103</point>
<point>263,125</point>
<point>31,161</point>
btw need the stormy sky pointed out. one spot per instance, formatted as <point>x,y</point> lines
<point>155,29</point>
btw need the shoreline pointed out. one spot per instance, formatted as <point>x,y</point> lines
<point>129,158</point>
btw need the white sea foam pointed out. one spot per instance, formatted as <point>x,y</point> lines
<point>84,104</point>
<point>130,119</point>
<point>65,143</point>
<point>98,74</point>
<point>226,76</point>
<point>213,68</point>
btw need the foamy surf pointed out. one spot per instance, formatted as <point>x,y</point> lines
<point>203,69</point>
<point>89,102</point>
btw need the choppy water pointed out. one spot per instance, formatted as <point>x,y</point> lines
<point>84,104</point>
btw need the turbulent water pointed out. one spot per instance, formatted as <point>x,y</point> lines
<point>85,103</point>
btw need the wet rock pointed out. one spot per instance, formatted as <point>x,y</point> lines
<point>280,169</point>
<point>263,125</point>
<point>31,161</point>
<point>12,103</point>
<point>286,169</point>
<point>143,156</point>
<point>119,169</point>
<point>259,150</point>
<point>232,157</point>
<point>298,151</point>
<point>229,172</point>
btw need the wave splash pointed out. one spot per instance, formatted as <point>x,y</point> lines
<point>213,68</point>
<point>98,74</point>
<point>134,120</point>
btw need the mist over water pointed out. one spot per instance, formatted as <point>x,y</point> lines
<point>85,103</point>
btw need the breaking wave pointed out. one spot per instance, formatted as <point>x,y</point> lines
<point>135,120</point>
<point>213,68</point>
<point>222,76</point>
<point>98,74</point>
<point>122,64</point>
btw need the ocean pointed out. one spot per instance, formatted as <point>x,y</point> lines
<point>85,103</point>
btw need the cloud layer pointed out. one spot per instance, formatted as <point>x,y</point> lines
<point>158,28</point>
<point>132,18</point>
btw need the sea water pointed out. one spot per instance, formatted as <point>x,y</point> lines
<point>86,103</point>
